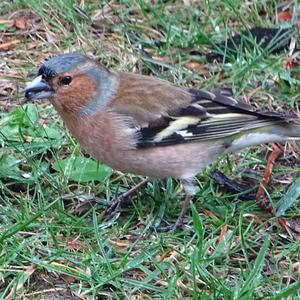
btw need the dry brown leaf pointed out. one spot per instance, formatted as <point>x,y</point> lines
<point>164,59</point>
<point>208,213</point>
<point>7,23</point>
<point>254,217</point>
<point>8,45</point>
<point>27,138</point>
<point>67,278</point>
<point>120,243</point>
<point>20,23</point>
<point>164,255</point>
<point>29,270</point>
<point>32,45</point>
<point>296,268</point>
<point>6,86</point>
<point>197,67</point>
<point>290,63</point>
<point>77,245</point>
<point>223,232</point>
<point>284,16</point>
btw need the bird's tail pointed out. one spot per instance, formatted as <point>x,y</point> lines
<point>270,133</point>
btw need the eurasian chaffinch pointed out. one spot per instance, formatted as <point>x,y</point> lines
<point>148,126</point>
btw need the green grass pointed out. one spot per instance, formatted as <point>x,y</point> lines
<point>54,245</point>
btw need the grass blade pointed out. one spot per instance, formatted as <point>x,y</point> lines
<point>289,198</point>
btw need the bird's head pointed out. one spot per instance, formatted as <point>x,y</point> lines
<point>72,82</point>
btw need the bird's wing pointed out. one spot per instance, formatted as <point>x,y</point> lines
<point>200,115</point>
<point>210,115</point>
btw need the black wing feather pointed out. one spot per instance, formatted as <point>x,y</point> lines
<point>219,115</point>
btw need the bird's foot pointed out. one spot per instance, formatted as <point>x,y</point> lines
<point>180,220</point>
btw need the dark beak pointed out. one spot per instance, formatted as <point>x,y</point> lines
<point>37,89</point>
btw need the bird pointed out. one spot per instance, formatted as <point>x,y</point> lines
<point>148,126</point>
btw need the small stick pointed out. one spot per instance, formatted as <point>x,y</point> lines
<point>262,201</point>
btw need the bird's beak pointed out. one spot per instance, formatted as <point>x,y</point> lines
<point>37,89</point>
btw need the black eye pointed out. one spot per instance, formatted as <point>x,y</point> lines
<point>66,80</point>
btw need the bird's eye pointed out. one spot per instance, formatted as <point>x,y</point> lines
<point>66,80</point>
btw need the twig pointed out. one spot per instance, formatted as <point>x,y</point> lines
<point>262,201</point>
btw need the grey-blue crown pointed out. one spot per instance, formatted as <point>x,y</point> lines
<point>61,63</point>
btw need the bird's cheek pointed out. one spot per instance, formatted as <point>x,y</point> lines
<point>64,101</point>
<point>58,105</point>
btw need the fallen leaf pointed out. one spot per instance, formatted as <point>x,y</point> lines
<point>30,269</point>
<point>32,45</point>
<point>197,67</point>
<point>22,279</point>
<point>6,24</point>
<point>164,59</point>
<point>290,63</point>
<point>208,213</point>
<point>284,16</point>
<point>164,255</point>
<point>296,268</point>
<point>223,232</point>
<point>6,46</point>
<point>254,217</point>
<point>20,23</point>
<point>77,245</point>
<point>27,138</point>
<point>6,86</point>
<point>68,279</point>
<point>120,243</point>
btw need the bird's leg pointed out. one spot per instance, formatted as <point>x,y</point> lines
<point>124,199</point>
<point>189,188</point>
